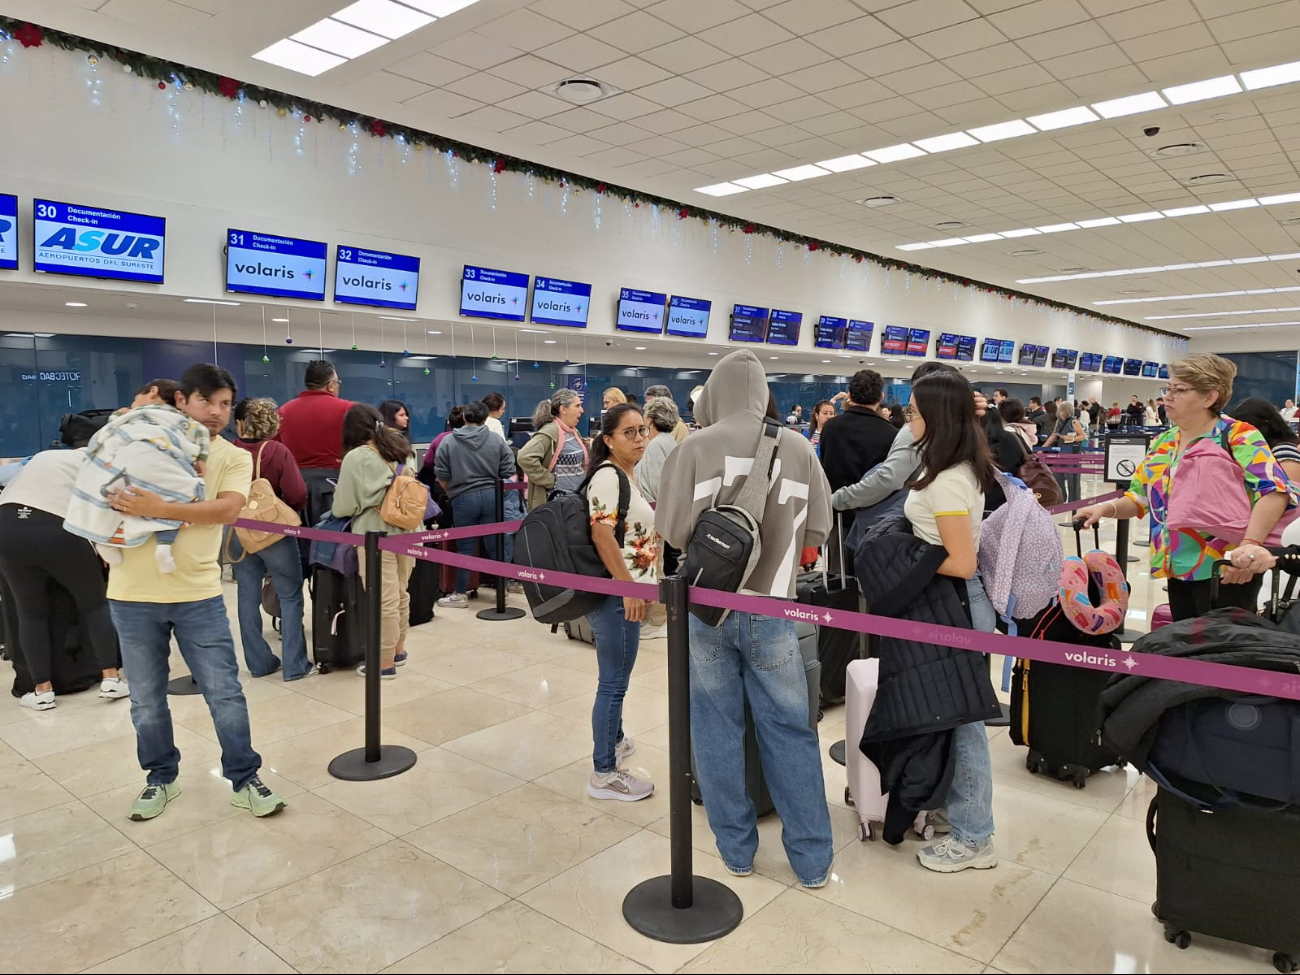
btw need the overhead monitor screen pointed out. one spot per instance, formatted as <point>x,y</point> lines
<point>894,341</point>
<point>1027,354</point>
<point>688,317</point>
<point>1132,367</point>
<point>641,311</point>
<point>858,336</point>
<point>946,347</point>
<point>1007,352</point>
<point>918,341</point>
<point>378,278</point>
<point>1164,370</point>
<point>1150,370</point>
<point>830,332</point>
<point>557,302</point>
<point>748,324</point>
<point>282,267</point>
<point>783,327</point>
<point>8,231</point>
<point>93,242</point>
<point>990,350</point>
<point>488,293</point>
<point>965,348</point>
<point>1040,355</point>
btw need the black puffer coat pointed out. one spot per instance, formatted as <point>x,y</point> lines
<point>925,689</point>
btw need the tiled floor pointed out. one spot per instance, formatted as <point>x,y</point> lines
<point>489,857</point>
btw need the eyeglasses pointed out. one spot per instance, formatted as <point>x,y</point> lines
<point>631,433</point>
<point>1179,390</point>
<point>910,413</point>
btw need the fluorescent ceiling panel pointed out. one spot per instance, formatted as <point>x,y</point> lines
<point>1099,222</point>
<point>439,8</point>
<point>1278,74</point>
<point>1233,205</point>
<point>1198,91</point>
<point>721,189</point>
<point>1002,130</point>
<point>299,57</point>
<point>392,20</point>
<point>942,143</point>
<point>339,38</point>
<point>1186,211</point>
<point>1141,217</point>
<point>796,173</point>
<point>893,153</point>
<point>842,164</point>
<point>1063,119</point>
<point>1148,101</point>
<point>759,182</point>
<point>913,247</point>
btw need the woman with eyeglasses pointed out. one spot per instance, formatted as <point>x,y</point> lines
<point>1200,389</point>
<point>628,550</point>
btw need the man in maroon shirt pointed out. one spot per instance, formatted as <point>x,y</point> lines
<point>311,426</point>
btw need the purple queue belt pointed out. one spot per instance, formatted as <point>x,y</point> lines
<point>301,531</point>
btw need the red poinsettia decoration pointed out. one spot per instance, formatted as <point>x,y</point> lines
<point>499,166</point>
<point>683,213</point>
<point>858,258</point>
<point>29,35</point>
<point>813,245</point>
<point>748,228</point>
<point>378,128</point>
<point>228,87</point>
<point>600,187</point>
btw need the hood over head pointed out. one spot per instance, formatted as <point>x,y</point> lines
<point>737,385</point>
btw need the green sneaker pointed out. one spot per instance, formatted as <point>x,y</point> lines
<point>258,799</point>
<point>152,800</point>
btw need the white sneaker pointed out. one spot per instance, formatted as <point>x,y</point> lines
<point>39,700</point>
<point>111,688</point>
<point>515,588</point>
<point>457,600</point>
<point>623,750</point>
<point>619,784</point>
<point>950,856</point>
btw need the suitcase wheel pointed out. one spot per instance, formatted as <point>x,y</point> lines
<point>1177,936</point>
<point>1080,781</point>
<point>927,833</point>
<point>867,831</point>
<point>322,668</point>
<point>699,801</point>
<point>1034,762</point>
<point>1284,962</point>
<point>848,796</point>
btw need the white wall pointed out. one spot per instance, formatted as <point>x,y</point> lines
<point>108,139</point>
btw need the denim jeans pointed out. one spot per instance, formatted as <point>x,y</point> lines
<point>970,797</point>
<point>203,636</point>
<point>617,642</point>
<point>281,560</point>
<point>756,658</point>
<point>477,507</point>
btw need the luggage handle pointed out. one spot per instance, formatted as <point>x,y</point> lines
<point>1151,822</point>
<point>1078,535</point>
<point>844,577</point>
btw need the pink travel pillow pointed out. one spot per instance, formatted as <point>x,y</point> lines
<point>1078,607</point>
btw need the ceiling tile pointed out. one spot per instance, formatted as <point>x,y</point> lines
<point>821,77</point>
<point>922,16</point>
<point>746,122</point>
<point>384,84</point>
<point>747,34</point>
<point>798,109</point>
<point>170,17</point>
<point>1039,17</point>
<point>703,134</point>
<point>887,108</point>
<point>853,37</point>
<point>734,146</point>
<point>636,32</point>
<point>1278,45</point>
<point>535,104</point>
<point>918,79</point>
<point>632,73</point>
<point>581,14</point>
<point>579,120</point>
<point>541,133</point>
<point>766,93</point>
<point>1065,40</point>
<point>446,104</point>
<point>981,111</point>
<point>580,53</point>
<point>726,75</point>
<point>615,156</point>
<point>624,106</point>
<point>713,108</point>
<point>1205,63</point>
<point>1252,23</point>
<point>1087,62</point>
<point>944,95</point>
<point>661,145</point>
<point>830,124</point>
<point>859,93</point>
<point>620,134</point>
<point>1173,41</point>
<point>888,59</point>
<point>530,71</point>
<point>805,16</point>
<point>691,157</point>
<point>959,39</point>
<point>1025,101</point>
<point>767,159</point>
<point>430,69</point>
<point>650,168</point>
<point>685,54</point>
<point>1025,76</point>
<point>1149,19</point>
<point>673,91</point>
<point>487,88</point>
<point>788,56</point>
<point>525,30</point>
<point>693,16</point>
<point>914,126</point>
<point>666,121</point>
<point>1107,84</point>
<point>494,119</point>
<point>476,50</point>
<point>780,135</point>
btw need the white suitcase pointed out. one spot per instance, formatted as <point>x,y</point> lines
<point>863,789</point>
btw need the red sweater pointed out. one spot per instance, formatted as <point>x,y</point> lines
<point>311,426</point>
<point>279,468</point>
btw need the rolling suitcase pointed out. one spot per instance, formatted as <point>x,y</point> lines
<point>337,619</point>
<point>447,574</point>
<point>863,789</point>
<point>755,784</point>
<point>424,590</point>
<point>835,648</point>
<point>580,630</point>
<point>73,665</point>
<point>1228,874</point>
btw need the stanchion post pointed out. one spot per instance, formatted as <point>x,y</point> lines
<point>680,908</point>
<point>374,760</point>
<point>501,611</point>
<point>1121,546</point>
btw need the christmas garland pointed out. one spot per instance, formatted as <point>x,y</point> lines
<point>167,73</point>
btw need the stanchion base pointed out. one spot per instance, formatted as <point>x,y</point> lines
<point>1131,558</point>
<point>715,911</point>
<point>1003,720</point>
<point>837,753</point>
<point>509,613</point>
<point>180,686</point>
<point>353,767</point>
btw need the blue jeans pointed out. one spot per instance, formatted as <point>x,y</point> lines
<point>281,560</point>
<point>617,642</point>
<point>970,797</point>
<point>203,635</point>
<point>756,658</point>
<point>477,507</point>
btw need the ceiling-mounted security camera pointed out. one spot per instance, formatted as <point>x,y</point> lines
<point>1151,131</point>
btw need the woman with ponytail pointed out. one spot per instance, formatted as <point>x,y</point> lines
<point>555,457</point>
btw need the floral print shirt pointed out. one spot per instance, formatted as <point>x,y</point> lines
<point>640,543</point>
<point>1190,555</point>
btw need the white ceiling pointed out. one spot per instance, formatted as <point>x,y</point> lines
<point>712,90</point>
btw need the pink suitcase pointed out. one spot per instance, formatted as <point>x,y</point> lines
<point>863,790</point>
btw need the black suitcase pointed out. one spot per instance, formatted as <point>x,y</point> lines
<point>73,665</point>
<point>424,590</point>
<point>754,781</point>
<point>836,648</point>
<point>1228,874</point>
<point>338,629</point>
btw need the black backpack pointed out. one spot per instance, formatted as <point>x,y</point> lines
<point>556,537</point>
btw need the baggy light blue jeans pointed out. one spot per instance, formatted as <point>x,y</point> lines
<point>756,658</point>
<point>617,642</point>
<point>203,636</point>
<point>970,797</point>
<point>280,559</point>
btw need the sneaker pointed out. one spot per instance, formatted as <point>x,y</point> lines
<point>389,674</point>
<point>938,818</point>
<point>457,600</point>
<point>152,800</point>
<point>515,587</point>
<point>950,856</point>
<point>623,749</point>
<point>619,784</point>
<point>39,700</point>
<point>738,871</point>
<point>817,884</point>
<point>400,659</point>
<point>311,672</point>
<point>111,688</point>
<point>258,799</point>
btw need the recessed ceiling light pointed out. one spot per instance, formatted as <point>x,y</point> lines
<point>759,182</point>
<point>824,361</point>
<point>1020,232</point>
<point>1277,74</point>
<point>943,143</point>
<point>1099,222</point>
<point>1056,228</point>
<point>842,164</point>
<point>948,242</point>
<point>713,353</point>
<point>535,331</point>
<point>439,8</point>
<point>392,20</point>
<point>892,360</point>
<point>1141,217</point>
<point>1176,149</point>
<point>796,173</point>
<point>949,224</point>
<point>299,57</point>
<point>1002,130</point>
<point>982,238</point>
<point>720,189</point>
<point>904,150</point>
<point>434,332</point>
<point>1202,296</point>
<point>209,301</point>
<point>580,91</point>
<point>1202,179</point>
<point>1062,119</point>
<point>339,38</point>
<point>1186,211</point>
<point>1201,90</point>
<point>279,319</point>
<point>913,247</point>
<point>392,318</point>
<point>771,357</point>
<point>1129,105</point>
<point>548,341</point>
<point>877,201</point>
<point>1025,252</point>
<point>1233,205</point>
<point>75,304</point>
<point>1269,201</point>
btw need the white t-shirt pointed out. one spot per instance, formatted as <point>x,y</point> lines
<point>45,482</point>
<point>493,424</point>
<point>954,492</point>
<point>640,544</point>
